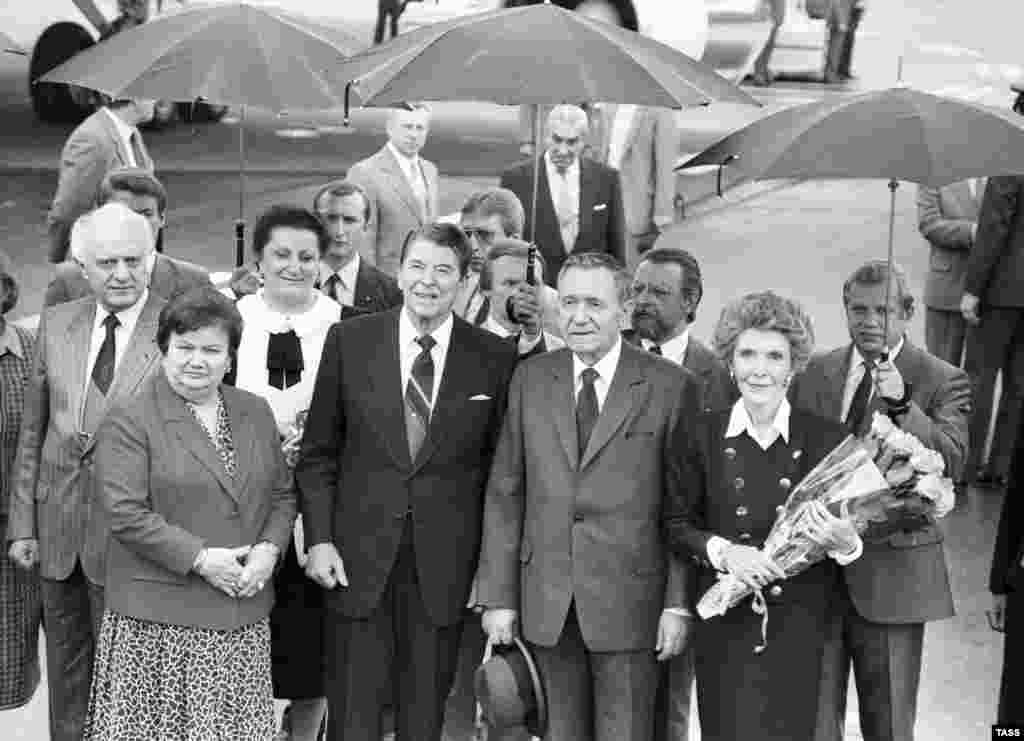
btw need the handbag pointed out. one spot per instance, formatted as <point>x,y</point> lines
<point>817,9</point>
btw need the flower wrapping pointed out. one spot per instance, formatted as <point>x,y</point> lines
<point>882,483</point>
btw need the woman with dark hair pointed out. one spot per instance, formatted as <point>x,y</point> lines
<point>751,455</point>
<point>20,598</point>
<point>200,505</point>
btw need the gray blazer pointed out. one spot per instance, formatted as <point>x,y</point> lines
<point>92,150</point>
<point>903,578</point>
<point>947,217</point>
<point>167,495</point>
<point>170,278</point>
<point>393,209</point>
<point>51,494</point>
<point>560,528</point>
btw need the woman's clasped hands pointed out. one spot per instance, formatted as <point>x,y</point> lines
<point>238,572</point>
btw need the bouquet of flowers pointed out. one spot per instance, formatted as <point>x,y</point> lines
<point>882,483</point>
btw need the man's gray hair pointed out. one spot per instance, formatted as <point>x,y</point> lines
<point>92,228</point>
<point>571,115</point>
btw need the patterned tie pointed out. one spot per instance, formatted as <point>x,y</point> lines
<point>103,370</point>
<point>331,287</point>
<point>859,403</point>
<point>586,408</point>
<point>136,141</point>
<point>418,393</point>
<point>568,216</point>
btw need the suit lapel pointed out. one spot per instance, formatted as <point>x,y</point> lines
<point>588,196</point>
<point>837,368</point>
<point>545,219</point>
<point>399,183</point>
<point>459,367</point>
<point>640,115</point>
<point>245,442</point>
<point>606,119</point>
<point>627,391</point>
<point>140,352</point>
<point>385,378</point>
<point>79,333</point>
<point>562,402</point>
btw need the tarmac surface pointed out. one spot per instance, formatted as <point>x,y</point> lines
<point>798,238</point>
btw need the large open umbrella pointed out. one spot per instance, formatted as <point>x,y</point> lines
<point>897,134</point>
<point>226,53</point>
<point>536,54</point>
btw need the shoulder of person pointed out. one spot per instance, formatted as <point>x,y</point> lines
<point>62,314</point>
<point>817,427</point>
<point>488,341</point>
<point>246,401</point>
<point>184,266</point>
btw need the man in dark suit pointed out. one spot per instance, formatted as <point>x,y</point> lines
<point>572,554</point>
<point>579,201</point>
<point>901,581</point>
<point>139,190</point>
<point>91,354</point>
<point>667,289</point>
<point>403,424</point>
<point>109,138</point>
<point>993,306</point>
<point>344,276</point>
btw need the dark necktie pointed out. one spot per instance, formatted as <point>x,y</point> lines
<point>859,403</point>
<point>331,287</point>
<point>103,369</point>
<point>137,153</point>
<point>418,393</point>
<point>586,408</point>
<point>656,349</point>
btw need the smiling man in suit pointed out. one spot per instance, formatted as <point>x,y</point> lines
<point>391,480</point>
<point>108,139</point>
<point>139,190</point>
<point>345,276</point>
<point>901,580</point>
<point>401,185</point>
<point>573,555</point>
<point>579,201</point>
<point>91,354</point>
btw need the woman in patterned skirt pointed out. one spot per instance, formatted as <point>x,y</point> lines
<point>200,505</point>
<point>20,600</point>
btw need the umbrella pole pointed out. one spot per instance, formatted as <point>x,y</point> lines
<point>240,221</point>
<point>536,170</point>
<point>893,185</point>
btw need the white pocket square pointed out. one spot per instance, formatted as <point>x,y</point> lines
<point>601,207</point>
<point>480,397</point>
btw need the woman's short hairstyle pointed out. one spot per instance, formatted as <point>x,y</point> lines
<point>877,272</point>
<point>9,290</point>
<point>288,217</point>
<point>509,248</point>
<point>601,261</point>
<point>768,312</point>
<point>443,235</point>
<point>199,308</point>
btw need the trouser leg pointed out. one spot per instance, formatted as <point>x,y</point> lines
<point>624,686</point>
<point>566,671</point>
<point>944,334</point>
<point>675,691</point>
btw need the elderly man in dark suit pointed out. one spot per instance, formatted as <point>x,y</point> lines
<point>993,306</point>
<point>579,201</point>
<point>402,186</point>
<point>108,139</point>
<point>391,480</point>
<point>572,554</point>
<point>901,581</point>
<point>345,276</point>
<point>139,190</point>
<point>91,354</point>
<point>667,289</point>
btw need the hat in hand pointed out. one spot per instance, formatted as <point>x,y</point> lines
<point>510,691</point>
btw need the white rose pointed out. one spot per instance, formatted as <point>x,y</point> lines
<point>881,426</point>
<point>927,461</point>
<point>938,490</point>
<point>903,444</point>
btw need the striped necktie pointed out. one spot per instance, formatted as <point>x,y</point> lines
<point>418,394</point>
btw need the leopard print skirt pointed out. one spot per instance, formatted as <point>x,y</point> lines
<point>157,682</point>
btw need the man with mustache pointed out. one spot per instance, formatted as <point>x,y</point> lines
<point>901,581</point>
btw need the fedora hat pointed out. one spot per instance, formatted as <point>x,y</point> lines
<point>510,690</point>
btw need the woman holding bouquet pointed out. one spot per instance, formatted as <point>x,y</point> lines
<point>286,323</point>
<point>760,679</point>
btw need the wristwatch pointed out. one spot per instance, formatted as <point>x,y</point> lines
<point>898,407</point>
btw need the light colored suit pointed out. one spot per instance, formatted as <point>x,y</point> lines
<point>574,543</point>
<point>645,172</point>
<point>92,150</point>
<point>394,211</point>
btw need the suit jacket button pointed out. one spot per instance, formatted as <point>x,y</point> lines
<point>741,511</point>
<point>744,536</point>
<point>775,591</point>
<point>785,483</point>
<point>739,483</point>
<point>730,453</point>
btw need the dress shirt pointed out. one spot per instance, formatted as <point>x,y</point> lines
<point>10,342</point>
<point>674,349</point>
<point>555,184</point>
<point>408,349</point>
<point>605,368</point>
<point>857,372</point>
<point>525,344</point>
<point>620,126</point>
<point>347,274</point>
<point>739,423</point>
<point>124,131</point>
<point>413,171</point>
<point>122,333</point>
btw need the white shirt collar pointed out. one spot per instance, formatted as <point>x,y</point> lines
<point>740,422</point>
<point>492,325</point>
<point>406,163</point>
<point>128,317</point>
<point>10,342</point>
<point>408,334</point>
<point>674,349</point>
<point>856,359</point>
<point>125,132</point>
<point>348,273</point>
<point>605,368</point>
<point>572,174</point>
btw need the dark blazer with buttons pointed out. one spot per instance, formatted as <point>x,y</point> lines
<point>356,480</point>
<point>718,390</point>
<point>375,291</point>
<point>170,278</point>
<point>995,268</point>
<point>561,528</point>
<point>167,495</point>
<point>903,578</point>
<point>602,224</point>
